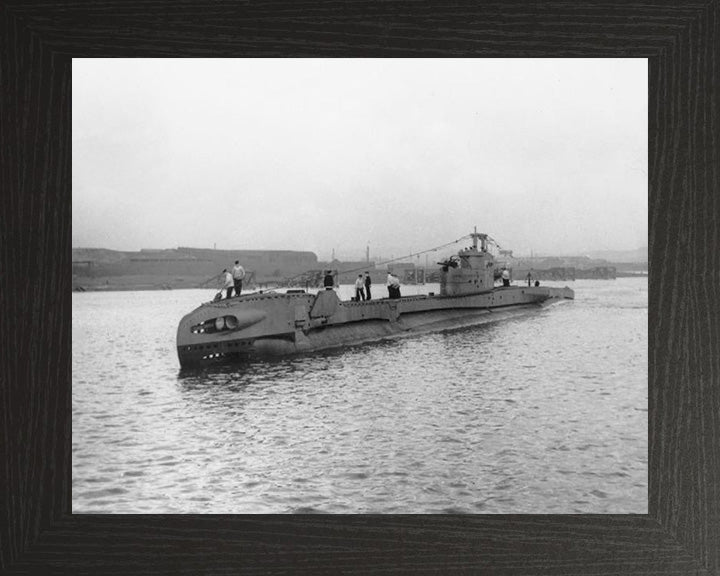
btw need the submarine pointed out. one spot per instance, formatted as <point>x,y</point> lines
<point>253,324</point>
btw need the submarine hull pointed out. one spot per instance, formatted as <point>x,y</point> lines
<point>253,325</point>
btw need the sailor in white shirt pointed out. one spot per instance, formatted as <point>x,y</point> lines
<point>506,277</point>
<point>393,284</point>
<point>227,283</point>
<point>359,288</point>
<point>238,273</point>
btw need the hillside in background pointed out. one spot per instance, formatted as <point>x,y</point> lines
<point>100,269</point>
<point>622,256</point>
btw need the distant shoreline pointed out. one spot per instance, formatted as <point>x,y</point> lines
<point>79,286</point>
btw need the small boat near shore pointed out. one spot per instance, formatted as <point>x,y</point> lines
<point>225,331</point>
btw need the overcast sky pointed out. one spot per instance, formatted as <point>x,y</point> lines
<point>403,155</point>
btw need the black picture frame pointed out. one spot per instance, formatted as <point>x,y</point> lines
<point>681,532</point>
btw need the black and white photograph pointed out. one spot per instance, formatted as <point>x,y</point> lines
<point>360,286</point>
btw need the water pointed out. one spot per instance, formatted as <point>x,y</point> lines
<point>541,413</point>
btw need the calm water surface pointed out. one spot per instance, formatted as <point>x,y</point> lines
<point>540,413</point>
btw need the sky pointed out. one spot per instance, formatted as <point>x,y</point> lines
<point>547,156</point>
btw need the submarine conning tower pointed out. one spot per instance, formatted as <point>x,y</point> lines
<point>471,271</point>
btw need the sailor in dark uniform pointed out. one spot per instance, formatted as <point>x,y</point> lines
<point>328,281</point>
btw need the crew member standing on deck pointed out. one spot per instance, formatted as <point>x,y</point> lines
<point>368,283</point>
<point>359,288</point>
<point>227,283</point>
<point>238,273</point>
<point>328,280</point>
<point>393,285</point>
<point>505,277</point>
<point>529,278</point>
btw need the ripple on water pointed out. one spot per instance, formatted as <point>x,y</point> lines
<point>95,494</point>
<point>307,510</point>
<point>134,473</point>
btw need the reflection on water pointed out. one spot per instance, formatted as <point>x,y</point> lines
<point>537,413</point>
